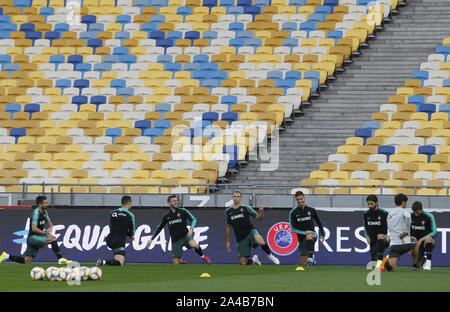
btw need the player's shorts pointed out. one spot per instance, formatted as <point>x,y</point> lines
<point>373,248</point>
<point>34,243</point>
<point>245,245</point>
<point>303,250</point>
<point>120,251</point>
<point>398,250</point>
<point>117,244</point>
<point>177,247</point>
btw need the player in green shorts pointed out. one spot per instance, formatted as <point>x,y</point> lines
<point>238,219</point>
<point>181,236</point>
<point>37,237</point>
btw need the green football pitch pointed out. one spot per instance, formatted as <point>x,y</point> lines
<point>186,278</point>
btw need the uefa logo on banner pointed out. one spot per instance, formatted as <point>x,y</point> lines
<point>281,240</point>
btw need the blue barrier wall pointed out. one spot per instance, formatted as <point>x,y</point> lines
<point>81,234</point>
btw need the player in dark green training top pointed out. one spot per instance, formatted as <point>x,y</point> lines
<point>375,228</point>
<point>122,226</point>
<point>181,236</point>
<point>37,237</point>
<point>247,237</point>
<point>423,231</point>
<point>301,221</point>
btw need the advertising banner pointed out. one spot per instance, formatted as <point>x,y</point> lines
<point>81,235</point>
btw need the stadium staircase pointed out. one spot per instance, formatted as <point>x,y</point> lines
<point>365,85</point>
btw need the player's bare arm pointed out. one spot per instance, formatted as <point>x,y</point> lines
<point>260,215</point>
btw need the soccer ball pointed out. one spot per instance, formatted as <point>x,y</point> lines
<point>51,273</point>
<point>84,273</point>
<point>95,273</point>
<point>75,275</point>
<point>37,273</point>
<point>63,274</point>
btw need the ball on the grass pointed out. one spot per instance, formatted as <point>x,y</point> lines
<point>63,274</point>
<point>37,273</point>
<point>75,275</point>
<point>51,273</point>
<point>95,273</point>
<point>84,273</point>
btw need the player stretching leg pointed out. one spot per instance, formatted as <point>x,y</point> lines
<point>181,236</point>
<point>399,226</point>
<point>122,225</point>
<point>238,219</point>
<point>37,237</point>
<point>375,227</point>
<point>423,231</point>
<point>301,223</point>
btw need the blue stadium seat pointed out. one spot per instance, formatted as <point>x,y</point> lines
<point>90,34</point>
<point>227,3</point>
<point>211,116</point>
<point>88,19</point>
<point>83,67</point>
<point>252,10</point>
<point>153,133</point>
<point>231,150</point>
<point>191,66</point>
<point>444,108</point>
<point>297,3</point>
<point>446,83</point>
<point>275,74</point>
<point>158,19</point>
<point>113,133</point>
<point>294,75</point>
<point>262,3</point>
<point>96,27</point>
<point>25,27</point>
<point>184,11</point>
<point>81,84</point>
<point>229,99</point>
<point>236,26</point>
<point>201,58</point>
<point>372,125</point>
<point>75,59</point>
<point>165,43</point>
<point>57,59</point>
<point>10,67</point>
<point>118,83</point>
<point>98,100</point>
<point>143,124</point>
<point>235,10</point>
<point>427,150</point>
<point>52,35</point>
<point>61,27</point>
<point>427,108</point>
<point>230,117</point>
<point>164,59</point>
<point>123,19</point>
<point>192,35</point>
<point>149,27</point>
<point>5,59</point>
<point>387,150</point>
<point>210,83</point>
<point>17,133</point>
<point>62,84</point>
<point>317,17</point>
<point>289,26</point>
<point>122,35</point>
<point>94,44</point>
<point>210,35</point>
<point>416,100</point>
<point>325,9</point>
<point>47,12</point>
<point>162,108</point>
<point>364,133</point>
<point>445,50</point>
<point>174,35</point>
<point>308,26</point>
<point>335,34</point>
<point>31,109</point>
<point>101,67</point>
<point>420,74</point>
<point>13,108</point>
<point>79,100</point>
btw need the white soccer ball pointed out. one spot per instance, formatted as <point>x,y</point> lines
<point>95,273</point>
<point>37,273</point>
<point>63,274</point>
<point>84,273</point>
<point>75,275</point>
<point>51,273</point>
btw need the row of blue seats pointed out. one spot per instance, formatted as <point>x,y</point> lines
<point>389,150</point>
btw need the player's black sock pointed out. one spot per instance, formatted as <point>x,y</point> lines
<point>380,246</point>
<point>56,250</point>
<point>18,259</point>
<point>112,262</point>
<point>429,250</point>
<point>310,247</point>
<point>249,261</point>
<point>388,266</point>
<point>266,249</point>
<point>199,251</point>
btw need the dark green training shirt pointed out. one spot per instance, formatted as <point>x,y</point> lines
<point>239,219</point>
<point>38,219</point>
<point>375,222</point>
<point>122,223</point>
<point>423,225</point>
<point>177,222</point>
<point>302,220</point>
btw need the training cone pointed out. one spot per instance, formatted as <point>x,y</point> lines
<point>205,275</point>
<point>299,269</point>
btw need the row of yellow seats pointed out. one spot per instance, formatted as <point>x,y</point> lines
<point>373,167</point>
<point>374,176</point>
<point>410,91</point>
<point>373,191</point>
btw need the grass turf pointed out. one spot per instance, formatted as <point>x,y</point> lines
<point>186,278</point>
